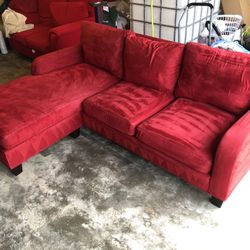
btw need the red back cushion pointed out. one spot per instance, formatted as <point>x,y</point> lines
<point>90,9</point>
<point>67,12</point>
<point>44,7</point>
<point>103,47</point>
<point>216,77</point>
<point>152,63</point>
<point>24,6</point>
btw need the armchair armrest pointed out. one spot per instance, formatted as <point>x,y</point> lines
<point>232,159</point>
<point>66,35</point>
<point>57,60</point>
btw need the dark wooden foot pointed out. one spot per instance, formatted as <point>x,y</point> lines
<point>216,202</point>
<point>18,170</point>
<point>75,133</point>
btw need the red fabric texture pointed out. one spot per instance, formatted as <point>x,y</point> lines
<point>232,160</point>
<point>161,159</point>
<point>151,63</point>
<point>24,6</point>
<point>43,38</point>
<point>56,60</point>
<point>126,105</point>
<point>32,18</point>
<point>26,51</point>
<point>24,37</point>
<point>187,131</point>
<point>22,152</point>
<point>67,12</point>
<point>216,77</point>
<point>103,47</point>
<point>65,35</point>
<point>30,105</point>
<point>44,7</point>
<point>39,41</point>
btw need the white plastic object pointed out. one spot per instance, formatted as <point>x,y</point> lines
<point>228,25</point>
<point>3,47</point>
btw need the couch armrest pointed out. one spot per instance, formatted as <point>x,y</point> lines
<point>57,60</point>
<point>66,35</point>
<point>232,159</point>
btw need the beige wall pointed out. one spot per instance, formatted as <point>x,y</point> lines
<point>240,7</point>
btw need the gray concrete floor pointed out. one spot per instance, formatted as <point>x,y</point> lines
<point>13,65</point>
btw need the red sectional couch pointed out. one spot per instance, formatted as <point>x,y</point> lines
<point>183,107</point>
<point>57,25</point>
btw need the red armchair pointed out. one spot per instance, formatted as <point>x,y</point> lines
<point>57,25</point>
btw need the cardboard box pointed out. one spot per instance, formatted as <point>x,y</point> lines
<point>238,7</point>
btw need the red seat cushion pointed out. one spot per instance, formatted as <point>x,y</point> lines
<point>30,105</point>
<point>103,47</point>
<point>126,105</point>
<point>39,41</point>
<point>187,131</point>
<point>63,13</point>
<point>23,37</point>
<point>152,63</point>
<point>217,77</point>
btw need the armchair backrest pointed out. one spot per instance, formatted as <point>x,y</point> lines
<point>38,11</point>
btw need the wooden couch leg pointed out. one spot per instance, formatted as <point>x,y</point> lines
<point>216,202</point>
<point>18,170</point>
<point>75,133</point>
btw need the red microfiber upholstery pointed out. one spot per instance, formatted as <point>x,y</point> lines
<point>44,7</point>
<point>63,13</point>
<point>103,47</point>
<point>90,8</point>
<point>187,131</point>
<point>232,161</point>
<point>44,10</point>
<point>151,63</point>
<point>23,37</point>
<point>22,152</point>
<point>32,18</point>
<point>55,60</point>
<point>24,6</point>
<point>216,77</point>
<point>39,41</point>
<point>126,105</point>
<point>30,105</point>
<point>153,155</point>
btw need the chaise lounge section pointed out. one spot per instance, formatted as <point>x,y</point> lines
<point>175,105</point>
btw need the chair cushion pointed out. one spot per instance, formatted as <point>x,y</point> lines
<point>152,63</point>
<point>23,37</point>
<point>44,7</point>
<point>187,131</point>
<point>126,105</point>
<point>44,11</point>
<point>67,12</point>
<point>39,41</point>
<point>103,47</point>
<point>32,104</point>
<point>217,77</point>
